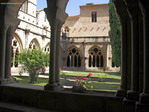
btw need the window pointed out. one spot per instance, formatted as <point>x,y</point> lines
<point>15,51</point>
<point>95,58</point>
<point>34,44</point>
<point>47,48</point>
<point>73,58</point>
<point>24,7</point>
<point>94,16</point>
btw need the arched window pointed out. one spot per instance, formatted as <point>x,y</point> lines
<point>15,51</point>
<point>73,58</point>
<point>95,57</point>
<point>34,44</point>
<point>47,48</point>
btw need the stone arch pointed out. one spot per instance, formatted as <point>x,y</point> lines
<point>95,57</point>
<point>47,47</point>
<point>73,57</point>
<point>17,37</point>
<point>15,49</point>
<point>34,44</point>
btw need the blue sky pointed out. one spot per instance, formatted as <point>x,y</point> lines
<point>73,5</point>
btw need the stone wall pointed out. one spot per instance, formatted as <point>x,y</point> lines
<point>63,101</point>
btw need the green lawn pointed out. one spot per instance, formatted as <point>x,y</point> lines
<point>114,75</point>
<point>107,81</point>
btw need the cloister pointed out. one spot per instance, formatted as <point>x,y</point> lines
<point>133,94</point>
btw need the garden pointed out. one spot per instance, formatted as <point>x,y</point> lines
<point>98,81</point>
<point>35,61</point>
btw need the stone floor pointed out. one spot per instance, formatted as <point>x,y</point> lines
<point>7,107</point>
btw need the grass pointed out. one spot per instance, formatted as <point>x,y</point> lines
<point>101,81</point>
<point>114,75</point>
<point>25,79</point>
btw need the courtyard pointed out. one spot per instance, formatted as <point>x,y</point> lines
<point>99,81</point>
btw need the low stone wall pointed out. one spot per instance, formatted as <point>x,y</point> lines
<point>63,101</point>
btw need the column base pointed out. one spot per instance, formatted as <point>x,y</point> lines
<point>144,98</point>
<point>7,81</point>
<point>121,93</point>
<point>142,107</point>
<point>53,87</point>
<point>129,105</point>
<point>132,95</point>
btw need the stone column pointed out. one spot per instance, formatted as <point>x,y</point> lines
<point>56,17</point>
<point>58,54</point>
<point>8,53</point>
<point>144,98</point>
<point>143,104</point>
<point>133,94</point>
<point>27,31</point>
<point>2,51</point>
<point>121,10</point>
<point>141,53</point>
<point>123,87</point>
<point>14,53</point>
<point>10,22</point>
<point>128,53</point>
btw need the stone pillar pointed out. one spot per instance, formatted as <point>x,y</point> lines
<point>56,17</point>
<point>2,51</point>
<point>9,22</point>
<point>58,54</point>
<point>123,87</point>
<point>141,53</point>
<point>133,10</point>
<point>26,38</point>
<point>8,53</point>
<point>143,104</point>
<point>14,53</point>
<point>128,54</point>
<point>144,98</point>
<point>121,10</point>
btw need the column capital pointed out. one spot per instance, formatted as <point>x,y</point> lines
<point>27,31</point>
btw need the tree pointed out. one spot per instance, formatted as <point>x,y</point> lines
<point>33,61</point>
<point>115,34</point>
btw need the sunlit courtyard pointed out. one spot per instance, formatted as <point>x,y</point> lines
<point>98,81</point>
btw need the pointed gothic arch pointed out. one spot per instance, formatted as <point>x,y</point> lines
<point>47,47</point>
<point>95,57</point>
<point>16,48</point>
<point>73,57</point>
<point>34,44</point>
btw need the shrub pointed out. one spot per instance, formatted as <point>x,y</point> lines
<point>33,61</point>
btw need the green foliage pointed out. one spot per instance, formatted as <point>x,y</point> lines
<point>33,61</point>
<point>87,84</point>
<point>115,34</point>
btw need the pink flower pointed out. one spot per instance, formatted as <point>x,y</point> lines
<point>85,78</point>
<point>89,75</point>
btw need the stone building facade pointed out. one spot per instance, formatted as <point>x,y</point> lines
<point>133,94</point>
<point>85,41</point>
<point>33,31</point>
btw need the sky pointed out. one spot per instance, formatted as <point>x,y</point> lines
<point>73,5</point>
